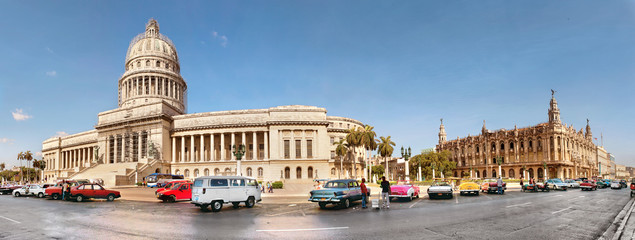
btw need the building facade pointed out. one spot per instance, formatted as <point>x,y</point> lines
<point>605,167</point>
<point>151,132</point>
<point>549,149</point>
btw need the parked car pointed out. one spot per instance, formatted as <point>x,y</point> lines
<point>632,187</point>
<point>491,186</point>
<point>440,189</point>
<point>607,182</point>
<point>623,183</point>
<point>55,192</point>
<point>588,185</point>
<point>168,186</point>
<point>8,190</point>
<point>29,190</point>
<point>556,184</point>
<point>93,190</point>
<point>179,191</point>
<point>539,186</point>
<point>337,192</point>
<point>615,184</point>
<point>601,184</point>
<point>572,183</point>
<point>404,190</point>
<point>469,188</point>
<point>218,190</point>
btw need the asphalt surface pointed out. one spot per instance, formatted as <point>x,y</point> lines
<point>571,214</point>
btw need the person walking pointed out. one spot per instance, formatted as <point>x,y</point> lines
<point>262,188</point>
<point>364,193</point>
<point>385,192</point>
<point>64,189</point>
<point>500,185</point>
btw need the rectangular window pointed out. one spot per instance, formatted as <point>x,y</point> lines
<point>309,148</point>
<point>198,183</point>
<point>298,148</point>
<point>218,183</point>
<point>287,154</point>
<point>332,140</point>
<point>261,153</point>
<point>332,154</point>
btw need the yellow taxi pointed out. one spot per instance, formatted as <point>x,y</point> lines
<point>469,188</point>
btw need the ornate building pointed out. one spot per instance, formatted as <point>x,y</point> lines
<point>151,132</point>
<point>549,148</point>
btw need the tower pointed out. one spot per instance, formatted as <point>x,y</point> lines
<point>554,112</point>
<point>442,134</point>
<point>588,134</point>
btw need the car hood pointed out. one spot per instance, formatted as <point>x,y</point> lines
<point>440,188</point>
<point>400,187</point>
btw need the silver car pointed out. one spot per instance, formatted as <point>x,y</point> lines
<point>556,184</point>
<point>615,184</point>
<point>440,189</point>
<point>572,183</point>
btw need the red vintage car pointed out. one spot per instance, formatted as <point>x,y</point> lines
<point>179,191</point>
<point>588,185</point>
<point>55,192</point>
<point>404,190</point>
<point>93,190</point>
<point>168,186</point>
<point>491,186</point>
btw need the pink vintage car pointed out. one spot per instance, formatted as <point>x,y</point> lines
<point>404,190</point>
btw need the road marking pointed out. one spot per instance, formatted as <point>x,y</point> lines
<point>561,210</point>
<point>411,205</point>
<point>300,229</point>
<point>278,214</point>
<point>10,219</point>
<point>520,205</point>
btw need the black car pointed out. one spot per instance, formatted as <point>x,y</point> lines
<point>623,183</point>
<point>8,190</point>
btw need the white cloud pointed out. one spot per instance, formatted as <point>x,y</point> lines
<point>215,34</point>
<point>6,140</point>
<point>48,49</point>
<point>60,134</point>
<point>222,38</point>
<point>38,154</point>
<point>18,115</point>
<point>51,73</point>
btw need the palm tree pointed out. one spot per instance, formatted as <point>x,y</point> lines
<point>341,148</point>
<point>20,158</point>
<point>2,166</point>
<point>385,149</point>
<point>353,138</point>
<point>28,156</point>
<point>370,144</point>
<point>40,164</point>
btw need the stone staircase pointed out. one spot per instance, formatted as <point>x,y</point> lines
<point>117,174</point>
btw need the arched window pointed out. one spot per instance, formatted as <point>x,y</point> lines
<point>187,173</point>
<point>502,146</point>
<point>540,173</point>
<point>511,173</point>
<point>309,173</point>
<point>511,145</point>
<point>138,64</point>
<point>333,171</point>
<point>493,173</point>
<point>477,149</point>
<point>287,172</point>
<point>167,65</point>
<point>216,172</point>
<point>196,172</point>
<point>206,172</point>
<point>493,147</point>
<point>484,173</point>
<point>158,64</point>
<point>147,63</point>
<point>158,170</point>
<point>298,172</point>
<point>531,173</point>
<point>177,172</point>
<point>502,173</point>
<point>260,172</point>
<point>227,171</point>
<point>248,172</point>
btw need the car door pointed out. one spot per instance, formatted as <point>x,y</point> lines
<point>99,191</point>
<point>218,190</point>
<point>252,188</point>
<point>184,191</point>
<point>237,192</point>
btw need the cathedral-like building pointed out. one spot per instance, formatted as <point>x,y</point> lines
<point>550,148</point>
<point>151,132</point>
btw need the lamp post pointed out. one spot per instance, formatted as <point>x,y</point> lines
<point>499,160</point>
<point>239,152</point>
<point>544,168</point>
<point>434,165</point>
<point>406,153</point>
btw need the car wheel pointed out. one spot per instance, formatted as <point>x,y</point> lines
<point>172,198</point>
<point>217,206</point>
<point>235,205</point>
<point>56,196</point>
<point>80,198</point>
<point>204,207</point>
<point>17,194</point>
<point>322,205</point>
<point>110,198</point>
<point>345,204</point>
<point>250,202</point>
<point>164,200</point>
<point>40,195</point>
<point>410,198</point>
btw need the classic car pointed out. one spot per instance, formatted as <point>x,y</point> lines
<point>615,184</point>
<point>607,182</point>
<point>491,186</point>
<point>632,187</point>
<point>601,184</point>
<point>93,190</point>
<point>572,183</point>
<point>8,189</point>
<point>404,190</point>
<point>338,192</point>
<point>623,183</point>
<point>55,192</point>
<point>588,185</point>
<point>440,189</point>
<point>539,186</point>
<point>30,190</point>
<point>556,184</point>
<point>179,191</point>
<point>168,186</point>
<point>469,188</point>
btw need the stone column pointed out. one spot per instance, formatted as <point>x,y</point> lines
<point>123,148</point>
<point>233,142</point>
<point>244,142</point>
<point>222,147</point>
<point>254,154</point>
<point>139,145</point>
<point>192,149</point>
<point>266,140</point>
<point>182,149</point>
<point>202,147</point>
<point>143,85</point>
<point>173,149</point>
<point>156,86</point>
<point>212,148</point>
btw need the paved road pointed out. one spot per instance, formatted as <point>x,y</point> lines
<point>572,214</point>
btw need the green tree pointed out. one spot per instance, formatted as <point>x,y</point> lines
<point>28,156</point>
<point>39,164</point>
<point>369,142</point>
<point>427,158</point>
<point>2,166</point>
<point>385,149</point>
<point>20,158</point>
<point>341,149</point>
<point>354,140</point>
<point>378,170</point>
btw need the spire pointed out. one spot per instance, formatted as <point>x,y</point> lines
<point>152,28</point>
<point>484,129</point>
<point>442,134</point>
<point>554,112</point>
<point>588,134</point>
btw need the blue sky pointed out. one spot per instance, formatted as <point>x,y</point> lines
<point>396,65</point>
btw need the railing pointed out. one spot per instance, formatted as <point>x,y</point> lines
<point>84,169</point>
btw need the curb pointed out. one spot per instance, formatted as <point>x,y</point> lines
<point>620,230</point>
<point>621,216</point>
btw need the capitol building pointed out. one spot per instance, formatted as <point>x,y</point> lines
<point>151,131</point>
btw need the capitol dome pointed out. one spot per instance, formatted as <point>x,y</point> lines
<point>152,71</point>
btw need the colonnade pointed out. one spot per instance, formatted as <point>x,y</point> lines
<point>151,85</point>
<point>129,147</point>
<point>73,158</point>
<point>187,148</point>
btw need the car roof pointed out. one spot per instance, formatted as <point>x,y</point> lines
<point>343,180</point>
<point>225,177</point>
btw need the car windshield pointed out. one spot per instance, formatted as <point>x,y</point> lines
<point>175,186</point>
<point>440,184</point>
<point>556,180</point>
<point>335,185</point>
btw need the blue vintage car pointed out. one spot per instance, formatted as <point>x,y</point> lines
<point>339,192</point>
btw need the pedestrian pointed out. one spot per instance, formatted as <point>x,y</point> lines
<point>385,192</point>
<point>64,188</point>
<point>262,188</point>
<point>364,192</point>
<point>500,185</point>
<point>521,182</point>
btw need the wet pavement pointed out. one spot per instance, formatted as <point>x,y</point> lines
<point>572,214</point>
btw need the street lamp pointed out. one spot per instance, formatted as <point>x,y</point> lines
<point>239,152</point>
<point>499,160</point>
<point>544,168</point>
<point>406,153</point>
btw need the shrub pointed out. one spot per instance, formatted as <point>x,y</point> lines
<point>139,184</point>
<point>277,185</point>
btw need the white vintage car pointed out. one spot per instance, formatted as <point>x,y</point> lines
<point>31,189</point>
<point>440,189</point>
<point>615,184</point>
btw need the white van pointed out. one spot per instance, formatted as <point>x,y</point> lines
<point>215,191</point>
